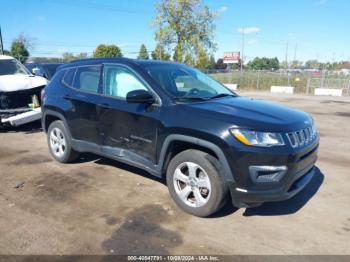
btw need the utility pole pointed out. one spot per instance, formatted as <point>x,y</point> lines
<point>287,55</point>
<point>1,44</point>
<point>295,52</point>
<point>242,53</point>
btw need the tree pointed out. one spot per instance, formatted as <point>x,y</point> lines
<point>264,63</point>
<point>159,53</point>
<point>19,48</point>
<point>212,62</point>
<point>186,27</point>
<point>143,53</point>
<point>220,64</point>
<point>67,57</point>
<point>296,64</point>
<point>189,60</point>
<point>313,64</point>
<point>103,51</point>
<point>82,56</point>
<point>202,60</point>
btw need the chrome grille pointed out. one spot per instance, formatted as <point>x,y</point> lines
<point>302,137</point>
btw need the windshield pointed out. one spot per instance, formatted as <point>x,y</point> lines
<point>12,67</point>
<point>182,82</point>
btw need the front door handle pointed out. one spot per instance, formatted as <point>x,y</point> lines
<point>105,105</point>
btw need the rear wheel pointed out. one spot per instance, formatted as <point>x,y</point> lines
<point>194,182</point>
<point>60,143</point>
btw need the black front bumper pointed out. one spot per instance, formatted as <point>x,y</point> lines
<point>246,192</point>
<point>250,197</point>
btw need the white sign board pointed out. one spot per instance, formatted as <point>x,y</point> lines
<point>282,89</point>
<point>328,92</point>
<point>231,57</point>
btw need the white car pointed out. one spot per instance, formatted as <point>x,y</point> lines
<point>19,93</point>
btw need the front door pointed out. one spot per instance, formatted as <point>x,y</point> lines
<point>128,129</point>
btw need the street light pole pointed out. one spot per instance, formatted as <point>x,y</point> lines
<point>1,44</point>
<point>242,52</point>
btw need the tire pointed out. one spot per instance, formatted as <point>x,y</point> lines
<point>59,143</point>
<point>194,183</point>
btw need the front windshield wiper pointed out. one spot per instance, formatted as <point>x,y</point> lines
<point>195,98</point>
<point>221,95</point>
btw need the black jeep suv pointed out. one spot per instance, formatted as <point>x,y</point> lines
<point>176,122</point>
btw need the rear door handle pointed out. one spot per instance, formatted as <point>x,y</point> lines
<point>67,96</point>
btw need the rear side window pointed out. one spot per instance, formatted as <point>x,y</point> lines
<point>69,76</point>
<point>87,78</point>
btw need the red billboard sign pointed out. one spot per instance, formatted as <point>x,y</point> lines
<point>231,57</point>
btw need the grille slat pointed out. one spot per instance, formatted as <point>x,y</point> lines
<point>302,137</point>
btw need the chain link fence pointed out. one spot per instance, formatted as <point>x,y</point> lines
<point>303,82</point>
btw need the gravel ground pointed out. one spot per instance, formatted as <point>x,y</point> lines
<point>99,206</point>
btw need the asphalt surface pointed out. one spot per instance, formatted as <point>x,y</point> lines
<point>99,206</point>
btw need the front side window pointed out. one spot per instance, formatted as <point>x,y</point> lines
<point>119,81</point>
<point>12,67</point>
<point>87,78</point>
<point>180,81</point>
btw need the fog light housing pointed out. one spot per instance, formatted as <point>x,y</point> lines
<point>267,174</point>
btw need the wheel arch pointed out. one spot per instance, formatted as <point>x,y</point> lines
<point>189,142</point>
<point>50,116</point>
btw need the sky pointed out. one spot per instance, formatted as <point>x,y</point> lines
<point>313,29</point>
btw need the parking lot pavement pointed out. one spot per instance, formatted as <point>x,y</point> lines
<point>99,206</point>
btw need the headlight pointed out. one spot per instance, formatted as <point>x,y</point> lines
<point>254,138</point>
<point>313,128</point>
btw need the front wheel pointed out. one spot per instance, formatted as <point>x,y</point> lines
<point>60,143</point>
<point>195,184</point>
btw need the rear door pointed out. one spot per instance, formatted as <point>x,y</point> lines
<point>84,97</point>
<point>131,127</point>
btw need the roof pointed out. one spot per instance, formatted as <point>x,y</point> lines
<point>5,57</point>
<point>94,61</point>
<point>44,64</point>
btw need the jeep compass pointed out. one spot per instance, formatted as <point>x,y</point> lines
<point>177,123</point>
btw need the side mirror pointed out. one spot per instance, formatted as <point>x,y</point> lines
<point>36,71</point>
<point>139,96</point>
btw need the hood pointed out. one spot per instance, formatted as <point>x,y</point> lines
<point>11,83</point>
<point>253,114</point>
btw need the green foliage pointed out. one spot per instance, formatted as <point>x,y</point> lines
<point>143,53</point>
<point>82,56</point>
<point>189,60</point>
<point>313,64</point>
<point>296,64</point>
<point>257,80</point>
<point>212,62</point>
<point>202,60</point>
<point>19,49</point>
<point>220,64</point>
<point>67,57</point>
<point>159,53</point>
<point>187,27</point>
<point>6,52</point>
<point>45,59</point>
<point>264,64</point>
<point>106,51</point>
